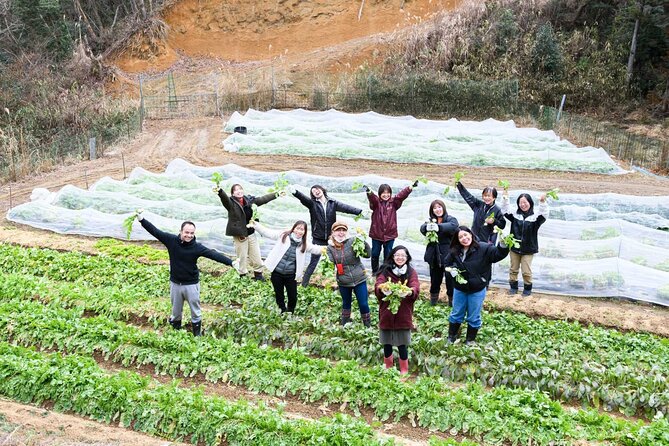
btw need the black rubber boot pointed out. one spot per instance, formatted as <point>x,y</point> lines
<point>527,289</point>
<point>258,276</point>
<point>197,328</point>
<point>471,335</point>
<point>434,298</point>
<point>176,324</point>
<point>453,330</point>
<point>366,319</point>
<point>514,286</point>
<point>375,264</point>
<point>450,301</point>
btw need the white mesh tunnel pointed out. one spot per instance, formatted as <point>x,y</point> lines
<point>409,140</point>
<point>592,245</point>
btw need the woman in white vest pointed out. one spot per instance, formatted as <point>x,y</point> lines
<point>286,261</point>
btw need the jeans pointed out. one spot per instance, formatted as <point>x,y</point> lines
<point>361,294</point>
<point>387,247</point>
<point>287,281</point>
<point>470,303</point>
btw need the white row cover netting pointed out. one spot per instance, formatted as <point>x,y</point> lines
<point>591,245</point>
<point>409,140</point>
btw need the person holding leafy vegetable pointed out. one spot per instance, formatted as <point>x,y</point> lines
<point>525,225</point>
<point>397,288</point>
<point>286,260</point>
<point>383,229</point>
<point>240,209</point>
<point>487,214</point>
<point>349,271</point>
<point>323,214</point>
<point>439,232</point>
<point>469,262</point>
<point>184,252</point>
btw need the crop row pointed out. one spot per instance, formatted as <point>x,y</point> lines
<point>603,367</point>
<point>500,414</point>
<point>75,383</point>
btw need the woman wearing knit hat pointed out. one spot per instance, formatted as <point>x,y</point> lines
<point>350,273</point>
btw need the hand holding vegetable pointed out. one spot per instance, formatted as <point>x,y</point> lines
<point>503,184</point>
<point>127,223</point>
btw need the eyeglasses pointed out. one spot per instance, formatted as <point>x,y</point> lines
<point>400,256</point>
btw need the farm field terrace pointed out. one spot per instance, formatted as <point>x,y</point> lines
<point>103,351</point>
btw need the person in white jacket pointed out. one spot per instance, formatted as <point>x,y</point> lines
<point>286,261</point>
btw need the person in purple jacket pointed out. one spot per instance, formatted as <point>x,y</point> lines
<point>383,229</point>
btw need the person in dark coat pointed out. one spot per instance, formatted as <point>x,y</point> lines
<point>323,213</point>
<point>469,262</point>
<point>383,229</point>
<point>240,211</point>
<point>445,226</point>
<point>395,329</point>
<point>184,251</point>
<point>487,214</point>
<point>525,224</point>
<point>350,272</point>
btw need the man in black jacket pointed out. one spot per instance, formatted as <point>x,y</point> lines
<point>184,274</point>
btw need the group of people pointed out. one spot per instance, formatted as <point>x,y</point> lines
<point>458,256</point>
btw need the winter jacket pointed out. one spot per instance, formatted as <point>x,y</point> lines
<point>482,211</point>
<point>384,215</point>
<point>239,215</point>
<point>435,252</point>
<point>403,320</point>
<point>475,268</point>
<point>322,219</point>
<point>280,248</point>
<point>354,271</point>
<point>184,255</point>
<point>525,228</point>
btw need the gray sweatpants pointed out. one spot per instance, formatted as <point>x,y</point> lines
<point>189,293</point>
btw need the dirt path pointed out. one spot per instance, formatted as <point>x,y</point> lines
<point>22,425</point>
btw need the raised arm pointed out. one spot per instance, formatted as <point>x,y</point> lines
<point>401,196</point>
<point>225,199</point>
<point>347,209</point>
<point>162,236</point>
<point>264,199</point>
<point>267,232</point>
<point>471,200</point>
<point>306,201</point>
<point>215,255</point>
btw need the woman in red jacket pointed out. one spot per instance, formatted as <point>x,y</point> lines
<point>395,329</point>
<point>383,230</point>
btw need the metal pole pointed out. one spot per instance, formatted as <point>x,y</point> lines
<point>86,178</point>
<point>557,119</point>
<point>123,161</point>
<point>10,197</point>
<point>141,103</point>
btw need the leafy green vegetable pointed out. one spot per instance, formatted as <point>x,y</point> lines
<point>422,179</point>
<point>458,177</point>
<point>504,184</point>
<point>217,178</point>
<point>457,274</point>
<point>357,185</point>
<point>432,236</point>
<point>359,240</point>
<point>398,291</point>
<point>553,193</point>
<point>510,241</point>
<point>127,223</point>
<point>280,184</point>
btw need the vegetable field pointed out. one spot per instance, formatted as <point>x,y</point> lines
<point>88,334</point>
